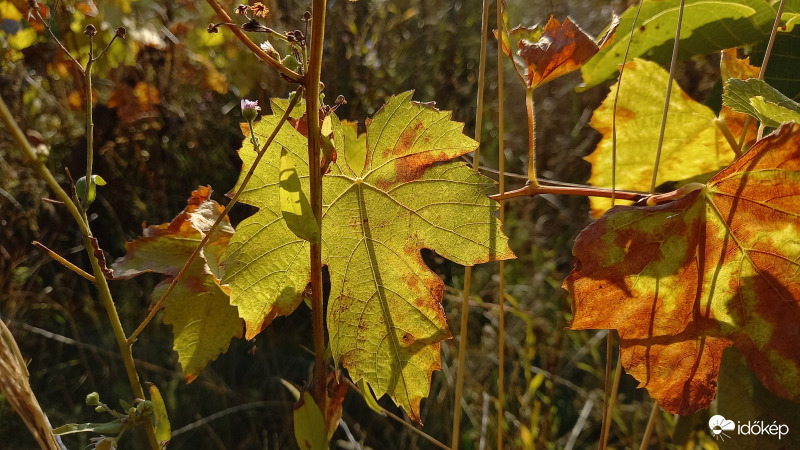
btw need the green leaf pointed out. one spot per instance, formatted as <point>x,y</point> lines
<point>693,145</point>
<point>160,418</point>
<point>295,209</point>
<point>385,318</point>
<point>199,310</point>
<point>309,425</point>
<point>761,101</point>
<point>113,427</point>
<point>708,26</point>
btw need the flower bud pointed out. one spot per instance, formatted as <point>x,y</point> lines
<point>121,32</point>
<point>93,399</point>
<point>250,109</point>
<point>90,30</point>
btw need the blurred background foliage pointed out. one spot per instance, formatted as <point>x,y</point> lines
<point>166,120</point>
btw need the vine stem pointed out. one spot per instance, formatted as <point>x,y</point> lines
<point>100,281</point>
<point>529,106</point>
<point>476,162</point>
<point>219,220</point>
<point>501,161</point>
<point>315,179</point>
<point>672,65</point>
<point>530,190</point>
<point>242,36</point>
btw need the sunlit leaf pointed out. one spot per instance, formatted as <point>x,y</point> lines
<point>385,199</point>
<point>761,101</point>
<point>561,48</point>
<point>203,321</point>
<point>309,425</point>
<point>708,26</point>
<point>160,418</point>
<point>683,280</point>
<point>295,209</point>
<point>693,145</point>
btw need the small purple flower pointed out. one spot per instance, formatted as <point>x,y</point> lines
<point>250,109</point>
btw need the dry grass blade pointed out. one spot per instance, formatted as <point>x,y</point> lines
<point>17,391</point>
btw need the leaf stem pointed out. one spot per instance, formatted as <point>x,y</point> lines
<point>476,162</point>
<point>219,220</point>
<point>239,33</point>
<point>672,65</point>
<point>583,191</point>
<point>531,136</point>
<point>315,179</point>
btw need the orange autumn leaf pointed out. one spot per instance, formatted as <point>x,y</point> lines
<point>718,267</point>
<point>198,309</point>
<point>561,49</point>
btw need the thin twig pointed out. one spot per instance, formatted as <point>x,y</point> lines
<point>501,269</point>
<point>672,65</point>
<point>64,262</point>
<point>242,36</point>
<point>476,162</point>
<point>651,424</point>
<point>609,415</point>
<point>50,30</point>
<point>400,420</point>
<point>583,191</point>
<point>219,220</point>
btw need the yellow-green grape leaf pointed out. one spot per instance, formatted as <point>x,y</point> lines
<point>295,209</point>
<point>160,418</point>
<point>761,101</point>
<point>716,268</point>
<point>309,425</point>
<point>199,310</point>
<point>708,26</point>
<point>385,320</point>
<point>692,145</point>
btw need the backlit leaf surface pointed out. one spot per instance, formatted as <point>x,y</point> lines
<point>203,321</point>
<point>560,49</point>
<point>708,26</point>
<point>693,144</point>
<point>683,280</point>
<point>384,200</point>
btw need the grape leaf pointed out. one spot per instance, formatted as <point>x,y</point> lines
<point>683,280</point>
<point>561,49</point>
<point>761,101</point>
<point>693,145</point>
<point>384,199</point>
<point>708,26</point>
<point>203,321</point>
